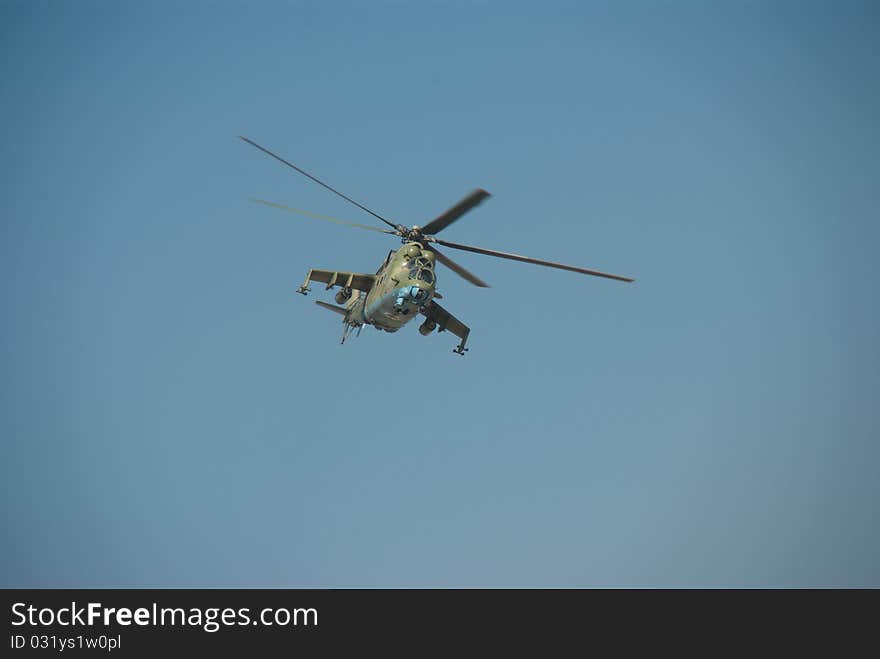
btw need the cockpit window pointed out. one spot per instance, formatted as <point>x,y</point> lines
<point>426,276</point>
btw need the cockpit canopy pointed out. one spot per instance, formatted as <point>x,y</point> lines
<point>422,268</point>
<point>420,263</point>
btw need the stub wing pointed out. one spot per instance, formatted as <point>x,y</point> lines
<point>447,322</point>
<point>354,280</point>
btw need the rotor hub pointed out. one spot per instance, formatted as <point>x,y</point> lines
<point>412,234</point>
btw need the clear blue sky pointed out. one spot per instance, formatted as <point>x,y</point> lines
<point>174,415</point>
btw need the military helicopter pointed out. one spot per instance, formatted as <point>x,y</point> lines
<point>404,286</point>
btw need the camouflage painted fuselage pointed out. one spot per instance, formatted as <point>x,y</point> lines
<point>402,288</point>
<point>403,285</point>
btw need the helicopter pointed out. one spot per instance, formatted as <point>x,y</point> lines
<point>405,285</point>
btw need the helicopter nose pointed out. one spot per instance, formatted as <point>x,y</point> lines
<point>414,293</point>
<point>417,294</point>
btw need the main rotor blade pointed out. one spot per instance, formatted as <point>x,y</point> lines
<point>319,182</point>
<point>445,219</point>
<point>326,218</point>
<point>457,269</point>
<point>527,259</point>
